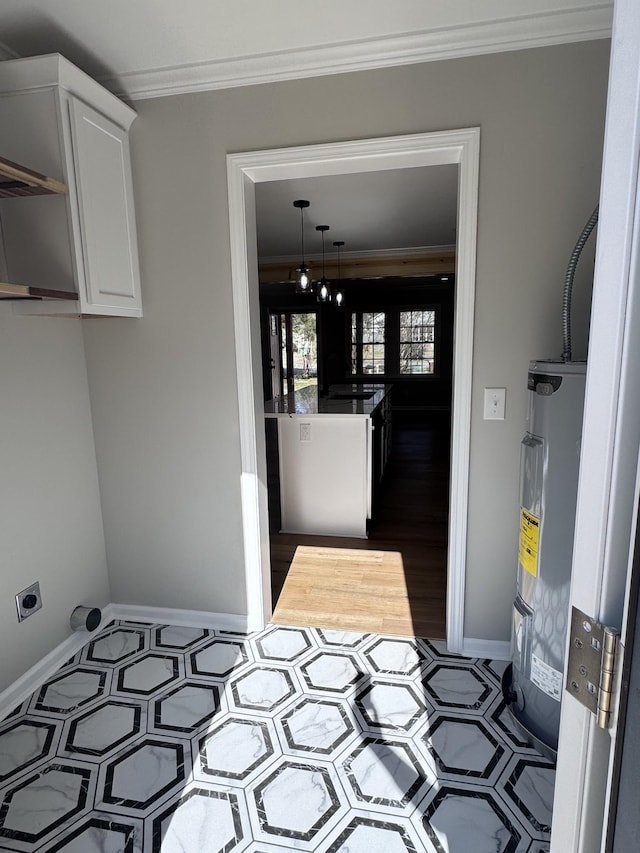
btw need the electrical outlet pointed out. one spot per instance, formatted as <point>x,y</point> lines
<point>305,432</point>
<point>28,601</point>
<point>494,403</point>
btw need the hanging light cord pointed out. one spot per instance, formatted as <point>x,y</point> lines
<point>323,275</point>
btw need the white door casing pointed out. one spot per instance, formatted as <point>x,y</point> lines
<point>244,170</point>
<point>607,499</point>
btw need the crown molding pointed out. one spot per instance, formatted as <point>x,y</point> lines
<point>7,53</point>
<point>363,254</point>
<point>538,29</point>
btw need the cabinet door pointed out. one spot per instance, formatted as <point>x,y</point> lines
<point>106,216</point>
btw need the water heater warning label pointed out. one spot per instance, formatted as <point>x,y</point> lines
<point>529,541</point>
<point>548,679</point>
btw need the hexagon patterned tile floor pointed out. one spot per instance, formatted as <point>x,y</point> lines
<point>163,739</point>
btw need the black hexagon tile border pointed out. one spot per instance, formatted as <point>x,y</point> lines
<point>157,738</point>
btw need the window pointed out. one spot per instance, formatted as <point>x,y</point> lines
<point>367,342</point>
<point>417,341</point>
<point>395,342</point>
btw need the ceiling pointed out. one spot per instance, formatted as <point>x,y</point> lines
<point>395,209</point>
<point>142,48</point>
<point>147,48</point>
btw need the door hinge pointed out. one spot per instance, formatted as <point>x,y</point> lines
<point>592,665</point>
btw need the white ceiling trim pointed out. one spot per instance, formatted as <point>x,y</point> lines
<point>525,31</point>
<point>363,254</point>
<point>7,53</point>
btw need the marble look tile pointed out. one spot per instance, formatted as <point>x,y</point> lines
<point>394,657</point>
<point>44,802</point>
<point>385,772</point>
<point>286,739</point>
<point>464,749</point>
<point>342,639</point>
<point>105,728</point>
<point>100,833</point>
<point>77,687</point>
<point>459,820</point>
<point>385,705</point>
<point>370,834</point>
<point>202,819</point>
<point>142,775</point>
<point>317,725</point>
<point>24,743</point>
<point>16,712</point>
<point>437,649</point>
<point>234,749</point>
<point>530,787</point>
<point>296,801</point>
<point>332,672</point>
<point>460,687</point>
<point>499,718</point>
<point>283,644</point>
<point>263,688</point>
<point>148,674</point>
<point>178,637</point>
<point>186,708</point>
<point>115,646</point>
<point>218,659</point>
<point>495,668</point>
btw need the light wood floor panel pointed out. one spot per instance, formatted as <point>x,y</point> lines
<point>394,582</point>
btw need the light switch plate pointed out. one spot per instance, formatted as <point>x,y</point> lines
<point>305,432</point>
<point>494,403</point>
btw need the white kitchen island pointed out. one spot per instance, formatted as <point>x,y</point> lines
<point>329,457</point>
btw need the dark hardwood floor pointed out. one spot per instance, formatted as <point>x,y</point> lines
<point>411,518</point>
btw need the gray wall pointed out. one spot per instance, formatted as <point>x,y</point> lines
<point>50,519</point>
<point>164,388</point>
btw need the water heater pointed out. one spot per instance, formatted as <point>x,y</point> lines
<point>550,459</point>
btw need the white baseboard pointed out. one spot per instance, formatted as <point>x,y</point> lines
<point>492,649</point>
<point>187,618</point>
<point>42,671</point>
<point>33,678</point>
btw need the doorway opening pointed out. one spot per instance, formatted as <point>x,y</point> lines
<point>460,147</point>
<point>396,333</point>
<point>293,341</point>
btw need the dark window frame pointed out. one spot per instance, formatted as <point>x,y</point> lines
<point>392,341</point>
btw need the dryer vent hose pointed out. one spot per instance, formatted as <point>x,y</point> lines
<point>568,284</point>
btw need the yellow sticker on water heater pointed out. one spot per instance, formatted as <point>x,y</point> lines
<point>529,541</point>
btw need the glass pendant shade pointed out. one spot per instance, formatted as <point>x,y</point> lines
<point>303,279</point>
<point>323,290</point>
<point>303,273</point>
<point>337,295</point>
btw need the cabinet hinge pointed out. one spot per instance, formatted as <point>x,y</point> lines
<point>592,665</point>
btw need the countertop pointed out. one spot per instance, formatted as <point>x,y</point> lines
<point>307,401</point>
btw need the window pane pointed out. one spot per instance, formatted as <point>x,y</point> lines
<point>305,350</point>
<point>417,336</point>
<point>368,342</point>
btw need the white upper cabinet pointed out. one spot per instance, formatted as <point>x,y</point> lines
<point>56,120</point>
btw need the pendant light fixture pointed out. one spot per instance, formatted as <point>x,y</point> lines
<point>303,273</point>
<point>323,293</point>
<point>338,292</point>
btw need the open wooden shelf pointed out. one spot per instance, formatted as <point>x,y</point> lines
<point>23,291</point>
<point>17,181</point>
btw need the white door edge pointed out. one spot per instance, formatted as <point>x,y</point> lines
<point>610,441</point>
<point>244,170</point>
